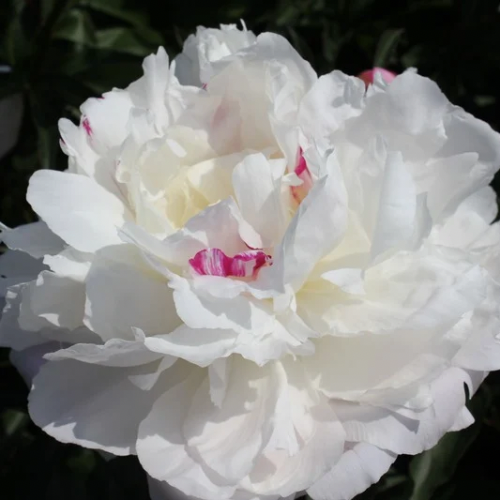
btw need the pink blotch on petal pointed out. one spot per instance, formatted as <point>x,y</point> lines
<point>86,126</point>
<point>303,173</point>
<point>214,262</point>
<point>369,75</point>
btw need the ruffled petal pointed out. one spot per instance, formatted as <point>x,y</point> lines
<point>77,209</point>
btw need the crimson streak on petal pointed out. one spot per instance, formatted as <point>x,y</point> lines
<point>214,262</point>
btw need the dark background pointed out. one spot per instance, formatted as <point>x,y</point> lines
<point>63,51</point>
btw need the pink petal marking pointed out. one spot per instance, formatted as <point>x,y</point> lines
<point>87,127</point>
<point>214,262</point>
<point>303,173</point>
<point>369,75</point>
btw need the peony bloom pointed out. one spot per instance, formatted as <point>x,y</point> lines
<point>259,281</point>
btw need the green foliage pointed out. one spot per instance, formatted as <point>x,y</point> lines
<point>63,51</point>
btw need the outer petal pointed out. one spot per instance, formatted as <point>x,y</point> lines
<point>77,209</point>
<point>105,120</point>
<point>52,301</point>
<point>29,361</point>
<point>229,439</point>
<point>409,115</point>
<point>17,267</point>
<point>307,438</point>
<point>36,239</point>
<point>162,448</point>
<point>468,134</point>
<point>123,292</point>
<point>194,65</point>
<point>114,353</point>
<point>95,406</point>
<point>333,99</point>
<point>357,469</point>
<point>201,346</point>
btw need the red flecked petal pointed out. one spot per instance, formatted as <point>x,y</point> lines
<point>214,262</point>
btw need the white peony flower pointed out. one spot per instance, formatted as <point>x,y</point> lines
<point>271,284</point>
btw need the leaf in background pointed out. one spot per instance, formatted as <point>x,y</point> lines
<point>48,146</point>
<point>16,44</point>
<point>125,40</point>
<point>75,26</point>
<point>115,9</point>
<point>386,47</point>
<point>46,7</point>
<point>436,467</point>
<point>111,73</point>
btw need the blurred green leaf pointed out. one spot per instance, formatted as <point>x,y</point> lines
<point>47,7</point>
<point>48,146</point>
<point>75,26</point>
<point>386,47</point>
<point>16,44</point>
<point>125,40</point>
<point>108,74</point>
<point>115,9</point>
<point>13,421</point>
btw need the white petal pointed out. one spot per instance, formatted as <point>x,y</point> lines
<point>212,178</point>
<point>17,267</point>
<point>106,119</point>
<point>201,346</point>
<point>348,280</point>
<point>455,178</point>
<point>115,352</point>
<point>318,226</point>
<point>302,417</point>
<point>483,202</point>
<point>77,209</point>
<point>161,446</point>
<point>149,92</point>
<point>52,301</point>
<point>449,397</point>
<point>36,239</point>
<point>409,115</point>
<point>468,134</point>
<point>481,349</point>
<point>29,361</point>
<point>230,438</point>
<point>397,208</point>
<point>333,99</point>
<point>123,292</point>
<point>218,374</point>
<point>240,314</point>
<point>90,405</point>
<point>357,469</point>
<point>194,65</point>
<point>259,199</point>
<point>70,263</point>
<point>11,335</point>
<point>379,426</point>
<point>463,420</point>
